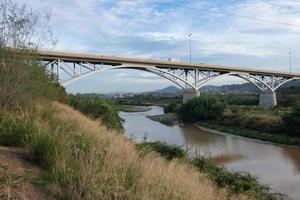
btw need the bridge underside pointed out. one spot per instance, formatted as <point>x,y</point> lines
<point>189,79</point>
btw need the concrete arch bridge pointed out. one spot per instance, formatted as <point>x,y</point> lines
<point>68,67</point>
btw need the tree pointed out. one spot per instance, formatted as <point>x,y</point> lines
<point>20,27</point>
<point>170,108</point>
<point>21,76</point>
<point>98,108</point>
<point>292,120</point>
<point>202,108</point>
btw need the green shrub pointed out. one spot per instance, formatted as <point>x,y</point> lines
<point>236,182</point>
<point>171,108</point>
<point>202,108</point>
<point>23,80</point>
<point>240,99</point>
<point>165,150</point>
<point>292,120</point>
<point>44,149</point>
<point>98,108</point>
<point>15,131</point>
<point>167,122</point>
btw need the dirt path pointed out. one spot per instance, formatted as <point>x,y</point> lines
<point>17,175</point>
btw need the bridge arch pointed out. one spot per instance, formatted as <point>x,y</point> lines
<point>182,83</point>
<point>164,74</point>
<point>284,82</point>
<point>246,77</point>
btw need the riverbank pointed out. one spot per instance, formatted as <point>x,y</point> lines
<point>169,119</point>
<point>131,108</point>
<point>235,182</point>
<point>267,137</point>
<point>236,153</point>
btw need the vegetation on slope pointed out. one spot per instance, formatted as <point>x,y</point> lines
<point>292,120</point>
<point>280,125</point>
<point>268,137</point>
<point>87,161</point>
<point>98,108</point>
<point>202,108</point>
<point>235,182</point>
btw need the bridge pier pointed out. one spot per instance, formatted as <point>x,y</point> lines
<point>267,99</point>
<point>189,94</point>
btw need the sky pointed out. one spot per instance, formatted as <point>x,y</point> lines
<point>251,33</point>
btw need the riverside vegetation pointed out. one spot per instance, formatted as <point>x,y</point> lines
<point>235,182</point>
<point>280,125</point>
<point>81,157</point>
<point>96,107</point>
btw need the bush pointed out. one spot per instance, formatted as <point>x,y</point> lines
<point>170,108</point>
<point>14,131</point>
<point>165,150</point>
<point>240,99</point>
<point>292,120</point>
<point>22,77</point>
<point>236,182</point>
<point>98,108</point>
<point>202,108</point>
<point>167,122</point>
<point>44,148</point>
<point>24,80</point>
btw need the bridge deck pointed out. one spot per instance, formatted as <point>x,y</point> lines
<point>112,60</point>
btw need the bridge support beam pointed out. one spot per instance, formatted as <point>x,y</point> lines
<point>189,94</point>
<point>267,99</point>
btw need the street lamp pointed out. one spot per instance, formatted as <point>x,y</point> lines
<point>290,53</point>
<point>190,36</point>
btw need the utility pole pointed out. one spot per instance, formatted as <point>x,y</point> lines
<point>190,36</point>
<point>290,53</point>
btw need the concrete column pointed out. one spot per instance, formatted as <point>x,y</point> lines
<point>190,93</point>
<point>267,99</point>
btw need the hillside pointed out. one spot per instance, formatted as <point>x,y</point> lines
<point>292,87</point>
<point>96,163</point>
<point>169,89</point>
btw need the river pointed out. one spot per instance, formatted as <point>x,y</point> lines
<point>274,165</point>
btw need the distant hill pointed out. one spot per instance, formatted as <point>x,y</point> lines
<point>291,88</point>
<point>233,88</point>
<point>245,88</point>
<point>169,89</point>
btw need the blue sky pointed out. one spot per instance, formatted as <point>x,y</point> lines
<point>158,29</point>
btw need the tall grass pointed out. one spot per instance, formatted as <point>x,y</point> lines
<point>85,160</point>
<point>234,182</point>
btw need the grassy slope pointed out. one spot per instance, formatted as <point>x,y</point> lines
<point>122,174</point>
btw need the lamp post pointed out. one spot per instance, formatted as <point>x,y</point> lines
<point>290,53</point>
<point>190,36</point>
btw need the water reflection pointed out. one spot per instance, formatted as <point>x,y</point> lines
<point>293,154</point>
<point>275,165</point>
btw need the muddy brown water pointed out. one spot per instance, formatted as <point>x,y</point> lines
<point>274,165</point>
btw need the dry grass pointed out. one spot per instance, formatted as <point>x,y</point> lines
<point>16,175</point>
<point>112,168</point>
